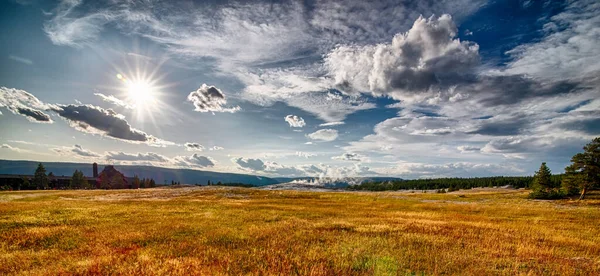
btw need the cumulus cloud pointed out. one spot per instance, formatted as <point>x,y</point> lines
<point>249,163</point>
<point>77,151</point>
<point>295,121</point>
<point>194,161</point>
<point>305,154</point>
<point>425,57</point>
<point>210,99</point>
<point>327,135</point>
<point>216,148</point>
<point>193,147</point>
<point>96,120</point>
<point>464,149</point>
<point>23,103</point>
<point>149,156</point>
<point>350,157</point>
<point>456,169</point>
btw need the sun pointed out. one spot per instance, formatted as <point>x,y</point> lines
<point>141,93</point>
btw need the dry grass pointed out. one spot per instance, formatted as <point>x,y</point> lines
<point>215,231</point>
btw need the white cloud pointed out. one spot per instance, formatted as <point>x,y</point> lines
<point>193,147</point>
<point>66,28</point>
<point>305,154</point>
<point>216,148</point>
<point>76,151</point>
<point>414,64</point>
<point>569,48</point>
<point>327,135</point>
<point>194,161</point>
<point>210,99</point>
<point>464,149</point>
<point>422,170</point>
<point>350,157</point>
<point>21,102</point>
<point>21,59</point>
<point>249,163</point>
<point>149,156</point>
<point>331,124</point>
<point>295,121</point>
<point>9,147</point>
<point>114,100</point>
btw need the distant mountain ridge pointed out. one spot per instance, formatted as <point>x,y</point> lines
<point>159,174</point>
<point>185,176</point>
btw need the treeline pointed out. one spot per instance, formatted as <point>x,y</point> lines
<point>452,184</point>
<point>43,181</point>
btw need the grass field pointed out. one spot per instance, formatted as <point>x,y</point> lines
<point>235,231</point>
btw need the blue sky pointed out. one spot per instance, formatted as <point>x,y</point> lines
<point>314,88</point>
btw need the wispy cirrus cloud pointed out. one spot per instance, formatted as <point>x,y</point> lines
<point>21,59</point>
<point>114,100</point>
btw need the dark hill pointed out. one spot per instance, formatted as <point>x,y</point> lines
<point>160,175</point>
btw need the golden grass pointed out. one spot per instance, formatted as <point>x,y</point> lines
<point>218,231</point>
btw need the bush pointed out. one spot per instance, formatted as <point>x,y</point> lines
<point>552,194</point>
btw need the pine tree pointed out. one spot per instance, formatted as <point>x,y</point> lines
<point>541,179</point>
<point>52,180</point>
<point>40,179</point>
<point>570,183</point>
<point>584,171</point>
<point>25,184</point>
<point>152,183</point>
<point>78,180</point>
<point>542,186</point>
<point>136,182</point>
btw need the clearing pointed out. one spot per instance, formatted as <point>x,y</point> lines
<point>223,230</point>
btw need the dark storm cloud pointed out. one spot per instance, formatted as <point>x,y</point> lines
<point>34,114</point>
<point>93,119</point>
<point>590,126</point>
<point>508,126</point>
<point>506,90</point>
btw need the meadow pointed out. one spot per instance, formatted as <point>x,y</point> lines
<point>242,231</point>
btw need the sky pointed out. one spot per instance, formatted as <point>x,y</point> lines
<point>411,89</point>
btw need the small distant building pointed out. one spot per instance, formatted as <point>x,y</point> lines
<point>111,178</point>
<point>95,169</point>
